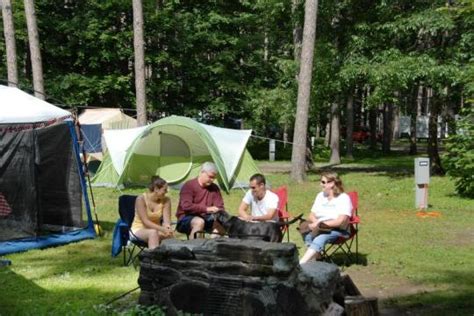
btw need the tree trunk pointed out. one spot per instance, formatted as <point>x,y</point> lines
<point>349,126</point>
<point>297,31</point>
<point>364,109</point>
<point>298,172</point>
<point>413,115</point>
<point>373,127</point>
<point>10,45</point>
<point>285,134</point>
<point>450,119</point>
<point>427,103</point>
<point>335,158</point>
<point>433,153</point>
<point>265,46</point>
<point>395,125</point>
<point>138,45</point>
<point>387,128</point>
<point>35,52</point>
<point>419,101</point>
<point>309,162</point>
<point>327,132</point>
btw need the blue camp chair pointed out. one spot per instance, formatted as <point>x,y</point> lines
<point>129,243</point>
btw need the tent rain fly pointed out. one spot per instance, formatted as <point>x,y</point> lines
<point>174,148</point>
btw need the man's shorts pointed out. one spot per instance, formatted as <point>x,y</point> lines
<point>184,224</point>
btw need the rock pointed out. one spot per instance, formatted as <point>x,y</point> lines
<point>235,277</point>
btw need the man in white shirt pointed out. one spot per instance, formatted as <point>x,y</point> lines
<point>262,202</point>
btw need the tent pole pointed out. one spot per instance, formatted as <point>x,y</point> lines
<point>81,173</point>
<point>99,231</point>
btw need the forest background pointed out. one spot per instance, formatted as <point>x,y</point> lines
<point>236,63</point>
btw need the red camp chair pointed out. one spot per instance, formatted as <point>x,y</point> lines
<point>283,214</point>
<point>344,245</point>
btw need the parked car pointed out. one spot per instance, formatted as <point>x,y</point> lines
<point>360,135</point>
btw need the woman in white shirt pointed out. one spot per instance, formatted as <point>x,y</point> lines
<point>331,210</point>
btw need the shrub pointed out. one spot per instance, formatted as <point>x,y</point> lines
<point>459,157</point>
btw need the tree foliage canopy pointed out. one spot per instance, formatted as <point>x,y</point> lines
<point>220,59</point>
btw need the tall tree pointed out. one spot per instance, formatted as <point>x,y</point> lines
<point>335,134</point>
<point>387,127</point>
<point>297,30</point>
<point>298,172</point>
<point>139,49</point>
<point>9,31</point>
<point>418,98</point>
<point>433,152</point>
<point>349,126</point>
<point>33,38</point>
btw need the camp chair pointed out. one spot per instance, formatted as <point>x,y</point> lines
<point>127,214</point>
<point>344,245</point>
<point>283,214</point>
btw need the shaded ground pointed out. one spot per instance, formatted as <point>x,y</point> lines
<point>385,288</point>
<point>285,167</point>
<point>399,149</point>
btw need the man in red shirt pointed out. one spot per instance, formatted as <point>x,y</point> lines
<point>199,198</point>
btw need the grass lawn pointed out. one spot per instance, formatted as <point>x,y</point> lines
<point>435,254</point>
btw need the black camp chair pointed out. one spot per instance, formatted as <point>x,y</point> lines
<point>129,241</point>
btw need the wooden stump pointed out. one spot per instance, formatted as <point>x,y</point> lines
<point>349,286</point>
<point>361,306</point>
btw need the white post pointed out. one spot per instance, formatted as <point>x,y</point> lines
<point>422,179</point>
<point>272,150</point>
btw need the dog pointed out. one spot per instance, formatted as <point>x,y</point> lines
<point>266,231</point>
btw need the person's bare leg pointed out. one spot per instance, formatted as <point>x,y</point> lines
<point>308,255</point>
<point>150,235</point>
<point>153,239</point>
<point>163,237</point>
<point>197,225</point>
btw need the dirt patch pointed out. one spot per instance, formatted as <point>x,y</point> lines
<point>384,287</point>
<point>274,167</point>
<point>462,238</point>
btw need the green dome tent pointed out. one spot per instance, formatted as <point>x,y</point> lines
<point>174,148</point>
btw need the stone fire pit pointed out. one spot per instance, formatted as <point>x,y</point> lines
<point>236,277</point>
